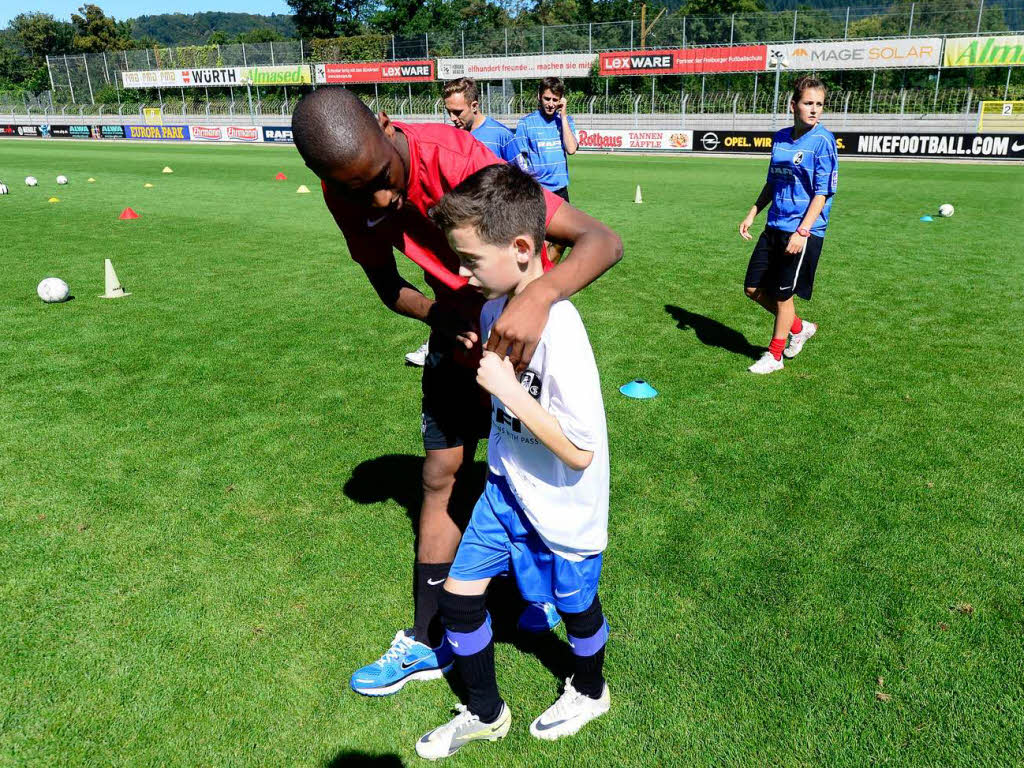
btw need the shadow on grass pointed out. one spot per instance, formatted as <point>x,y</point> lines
<point>396,477</point>
<point>712,333</point>
<point>349,759</point>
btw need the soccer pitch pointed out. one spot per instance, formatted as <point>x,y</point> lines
<point>207,486</point>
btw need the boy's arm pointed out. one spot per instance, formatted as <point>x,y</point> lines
<point>498,377</point>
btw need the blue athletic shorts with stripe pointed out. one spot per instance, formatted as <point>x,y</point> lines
<point>500,537</point>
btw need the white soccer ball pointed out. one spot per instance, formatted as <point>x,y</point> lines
<point>62,179</point>
<point>31,181</point>
<point>945,209</point>
<point>53,290</point>
<point>3,188</point>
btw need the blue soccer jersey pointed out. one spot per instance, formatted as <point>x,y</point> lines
<point>499,139</point>
<point>541,139</point>
<point>800,170</point>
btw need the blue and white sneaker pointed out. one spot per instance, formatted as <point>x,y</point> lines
<point>405,660</point>
<point>539,617</point>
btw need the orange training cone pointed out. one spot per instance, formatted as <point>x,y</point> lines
<point>280,177</point>
<point>128,213</point>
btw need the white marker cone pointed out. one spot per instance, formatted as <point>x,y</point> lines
<point>113,285</point>
<point>638,198</point>
<point>167,169</point>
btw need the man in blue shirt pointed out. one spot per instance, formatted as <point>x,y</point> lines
<point>801,183</point>
<point>462,103</point>
<point>547,136</point>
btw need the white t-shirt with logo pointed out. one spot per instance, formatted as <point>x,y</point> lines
<point>568,508</point>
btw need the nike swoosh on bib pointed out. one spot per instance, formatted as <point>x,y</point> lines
<point>565,594</point>
<point>433,583</point>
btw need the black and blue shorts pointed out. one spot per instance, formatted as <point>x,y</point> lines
<point>781,275</point>
<point>456,410</point>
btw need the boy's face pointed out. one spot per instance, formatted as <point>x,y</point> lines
<point>549,102</point>
<point>493,270</point>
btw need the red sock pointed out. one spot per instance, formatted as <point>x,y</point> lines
<point>776,348</point>
<point>798,325</point>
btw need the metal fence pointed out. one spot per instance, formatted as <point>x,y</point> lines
<point>80,77</point>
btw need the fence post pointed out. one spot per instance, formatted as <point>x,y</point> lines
<point>684,31</point>
<point>182,101</point>
<point>754,105</point>
<point>702,79</point>
<point>106,71</point>
<point>794,25</point>
<point>49,71</point>
<point>631,32</point>
<point>393,57</point>
<point>160,98</point>
<point>653,81</point>
<point>981,7</point>
<point>846,109</point>
<point>464,42</point>
<point>967,109</point>
<point>735,100</point>
<point>682,122</point>
<point>846,27</point>
<point>935,100</point>
<point>88,78</point>
<point>426,44</point>
<point>376,100</point>
<point>910,26</point>
<point>732,32</point>
<point>605,93</point>
<point>871,99</point>
<point>506,41</point>
<point>542,43</point>
<point>590,37</point>
<point>302,52</point>
<point>71,88</point>
<point>1006,90</point>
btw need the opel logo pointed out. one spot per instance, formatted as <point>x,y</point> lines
<point>710,141</point>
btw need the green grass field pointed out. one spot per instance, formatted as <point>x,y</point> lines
<point>207,487</point>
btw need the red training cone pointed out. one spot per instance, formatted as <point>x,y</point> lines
<point>280,177</point>
<point>128,213</point>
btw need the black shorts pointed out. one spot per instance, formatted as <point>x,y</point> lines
<point>779,274</point>
<point>456,410</point>
<point>562,193</point>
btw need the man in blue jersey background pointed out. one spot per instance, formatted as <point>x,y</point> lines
<point>462,103</point>
<point>548,136</point>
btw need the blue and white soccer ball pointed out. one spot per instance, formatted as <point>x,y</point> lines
<point>31,181</point>
<point>62,179</point>
<point>53,290</point>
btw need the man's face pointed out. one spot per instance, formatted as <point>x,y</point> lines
<point>376,179</point>
<point>493,270</point>
<point>549,103</point>
<point>461,112</point>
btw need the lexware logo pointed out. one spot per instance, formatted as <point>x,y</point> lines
<point>639,62</point>
<point>243,134</point>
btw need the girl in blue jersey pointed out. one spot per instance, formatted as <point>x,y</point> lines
<point>801,182</point>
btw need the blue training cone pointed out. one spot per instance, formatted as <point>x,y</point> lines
<point>638,389</point>
<point>927,218</point>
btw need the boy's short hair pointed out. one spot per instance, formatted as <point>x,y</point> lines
<point>464,85</point>
<point>553,84</point>
<point>500,201</point>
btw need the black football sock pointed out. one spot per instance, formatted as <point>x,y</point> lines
<point>588,634</point>
<point>469,633</point>
<point>428,584</point>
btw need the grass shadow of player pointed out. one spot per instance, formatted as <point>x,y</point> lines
<point>712,333</point>
<point>353,759</point>
<point>397,477</point>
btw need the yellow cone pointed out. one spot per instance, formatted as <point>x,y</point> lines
<point>91,180</point>
<point>148,186</point>
<point>303,190</point>
<point>55,200</point>
<point>112,284</point>
<point>167,169</point>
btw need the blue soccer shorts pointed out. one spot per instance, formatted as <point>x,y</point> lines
<point>501,538</point>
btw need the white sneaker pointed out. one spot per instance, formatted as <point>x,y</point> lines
<point>571,712</point>
<point>767,364</point>
<point>465,727</point>
<point>797,340</point>
<point>419,357</point>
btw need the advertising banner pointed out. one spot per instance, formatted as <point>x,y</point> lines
<point>375,72</point>
<point>19,130</point>
<point>280,134</point>
<point>71,131</point>
<point>861,54</point>
<point>246,134</point>
<point>682,61</point>
<point>609,141</point>
<point>963,146</point>
<point>157,132</point>
<point>1000,51</point>
<point>297,74</point>
<point>518,67</point>
<point>108,131</point>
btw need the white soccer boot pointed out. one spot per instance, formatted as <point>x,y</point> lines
<point>571,712</point>
<point>767,364</point>
<point>465,727</point>
<point>419,357</point>
<point>797,340</point>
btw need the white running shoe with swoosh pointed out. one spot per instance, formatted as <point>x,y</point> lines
<point>571,712</point>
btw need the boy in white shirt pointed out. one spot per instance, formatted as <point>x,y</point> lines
<point>544,511</point>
